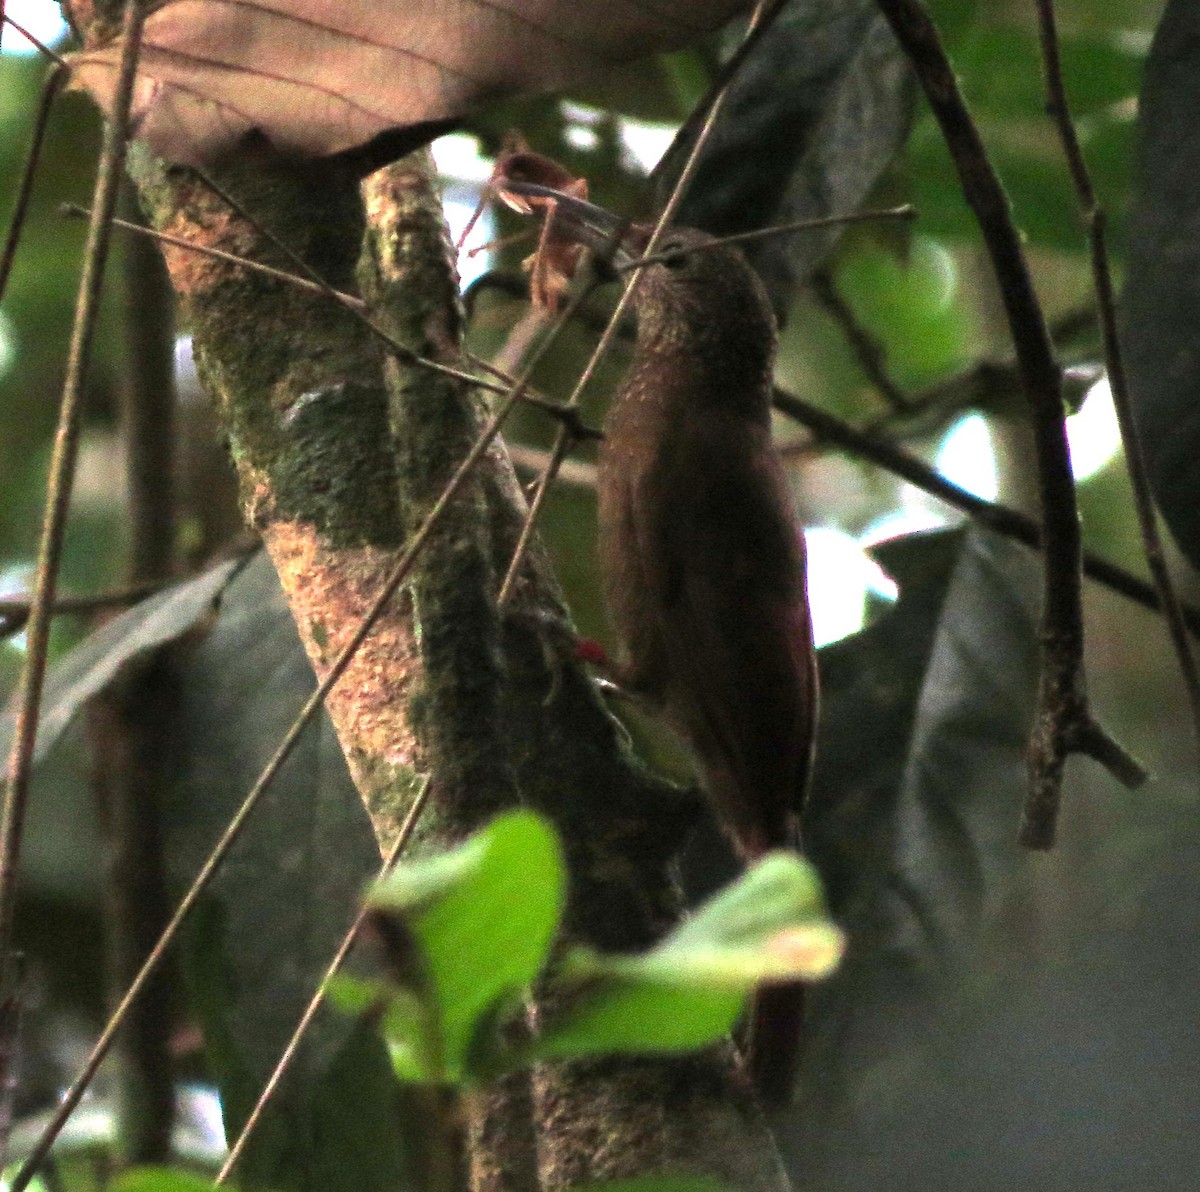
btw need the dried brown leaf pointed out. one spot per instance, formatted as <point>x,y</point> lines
<point>317,77</point>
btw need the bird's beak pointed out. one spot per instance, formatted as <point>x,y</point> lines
<point>610,237</point>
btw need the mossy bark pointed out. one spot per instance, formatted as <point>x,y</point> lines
<point>298,384</point>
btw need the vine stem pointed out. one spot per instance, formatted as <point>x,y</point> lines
<point>62,469</point>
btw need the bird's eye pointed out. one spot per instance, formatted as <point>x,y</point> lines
<point>674,256</point>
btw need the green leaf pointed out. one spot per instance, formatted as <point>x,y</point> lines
<point>642,1017</point>
<point>1001,73</point>
<point>778,899</point>
<point>411,1035</point>
<point>160,1179</point>
<point>912,305</point>
<point>689,990</point>
<point>484,916</point>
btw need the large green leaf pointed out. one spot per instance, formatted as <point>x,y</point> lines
<point>689,990</point>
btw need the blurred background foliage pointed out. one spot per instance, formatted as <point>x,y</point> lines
<point>1071,1063</point>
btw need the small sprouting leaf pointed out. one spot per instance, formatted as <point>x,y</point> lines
<point>778,896</point>
<point>689,990</point>
<point>484,917</point>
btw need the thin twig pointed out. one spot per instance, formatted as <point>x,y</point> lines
<point>1095,220</point>
<point>578,472</point>
<point>14,612</point>
<point>40,46</point>
<point>41,121</point>
<point>75,211</point>
<point>354,304</point>
<point>318,998</point>
<point>905,212</point>
<point>208,871</point>
<point>564,441</point>
<point>982,386</point>
<point>1063,722</point>
<point>1012,523</point>
<point>62,468</point>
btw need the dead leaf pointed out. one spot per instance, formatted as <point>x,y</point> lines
<point>318,77</point>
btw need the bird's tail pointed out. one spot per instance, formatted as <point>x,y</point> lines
<point>774,1042</point>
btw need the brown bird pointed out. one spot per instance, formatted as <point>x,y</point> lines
<point>702,559</point>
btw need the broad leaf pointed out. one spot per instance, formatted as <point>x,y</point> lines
<point>812,119</point>
<point>917,798</point>
<point>689,990</point>
<point>1162,291</point>
<point>484,916</point>
<point>317,77</point>
<point>95,663</point>
<point>278,909</point>
<point>914,840</point>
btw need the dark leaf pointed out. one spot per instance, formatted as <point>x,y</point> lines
<point>816,113</point>
<point>919,782</point>
<point>93,664</point>
<point>277,910</point>
<point>1162,290</point>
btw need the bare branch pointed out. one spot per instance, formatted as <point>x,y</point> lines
<point>1063,717</point>
<point>1095,220</point>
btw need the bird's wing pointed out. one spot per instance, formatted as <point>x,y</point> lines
<point>726,558</point>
